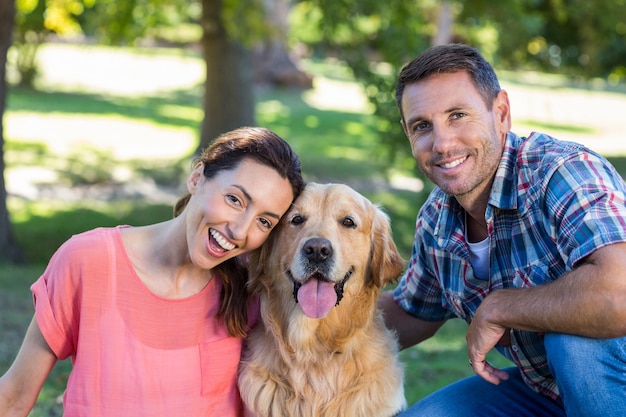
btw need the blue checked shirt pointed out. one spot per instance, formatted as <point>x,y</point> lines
<point>552,203</point>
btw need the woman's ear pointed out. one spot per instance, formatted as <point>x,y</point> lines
<point>195,178</point>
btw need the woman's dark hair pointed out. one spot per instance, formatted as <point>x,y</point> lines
<point>454,57</point>
<point>226,153</point>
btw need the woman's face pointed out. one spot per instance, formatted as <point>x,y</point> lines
<point>233,212</point>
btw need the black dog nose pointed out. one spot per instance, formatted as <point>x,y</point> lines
<point>317,249</point>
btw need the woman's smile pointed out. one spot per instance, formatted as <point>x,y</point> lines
<point>221,240</point>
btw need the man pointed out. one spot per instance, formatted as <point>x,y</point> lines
<point>524,238</point>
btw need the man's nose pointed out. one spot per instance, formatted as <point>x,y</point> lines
<point>443,138</point>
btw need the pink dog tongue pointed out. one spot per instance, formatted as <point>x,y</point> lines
<point>317,298</point>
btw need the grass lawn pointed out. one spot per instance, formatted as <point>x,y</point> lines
<point>106,116</point>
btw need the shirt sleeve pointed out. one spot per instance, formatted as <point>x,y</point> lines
<point>586,206</point>
<point>419,291</point>
<point>56,297</point>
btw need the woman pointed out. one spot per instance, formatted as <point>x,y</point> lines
<point>153,317</point>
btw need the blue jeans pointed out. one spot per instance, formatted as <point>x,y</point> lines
<point>590,373</point>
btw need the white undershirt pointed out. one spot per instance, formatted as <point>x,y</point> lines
<point>479,256</point>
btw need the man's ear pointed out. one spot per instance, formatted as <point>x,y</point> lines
<point>502,111</point>
<point>195,178</point>
<point>404,127</point>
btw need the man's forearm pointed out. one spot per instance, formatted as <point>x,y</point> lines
<point>588,301</point>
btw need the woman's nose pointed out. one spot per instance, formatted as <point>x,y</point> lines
<point>240,226</point>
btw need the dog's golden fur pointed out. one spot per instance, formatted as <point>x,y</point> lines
<point>344,363</point>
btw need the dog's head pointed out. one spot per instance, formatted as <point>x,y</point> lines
<point>331,246</point>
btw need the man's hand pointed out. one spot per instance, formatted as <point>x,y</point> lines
<point>481,337</point>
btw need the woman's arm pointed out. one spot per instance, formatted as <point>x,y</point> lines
<point>21,384</point>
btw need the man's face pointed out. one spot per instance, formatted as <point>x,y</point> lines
<point>456,140</point>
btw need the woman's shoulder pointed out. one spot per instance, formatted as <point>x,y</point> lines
<point>84,245</point>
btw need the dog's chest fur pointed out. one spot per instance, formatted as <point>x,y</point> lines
<point>312,378</point>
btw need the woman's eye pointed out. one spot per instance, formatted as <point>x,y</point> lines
<point>348,222</point>
<point>233,199</point>
<point>266,223</point>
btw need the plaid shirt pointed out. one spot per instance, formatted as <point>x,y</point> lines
<point>552,203</point>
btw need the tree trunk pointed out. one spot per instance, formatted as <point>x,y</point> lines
<point>445,23</point>
<point>9,250</point>
<point>228,96</point>
<point>272,63</point>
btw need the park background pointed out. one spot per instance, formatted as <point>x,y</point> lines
<point>107,102</point>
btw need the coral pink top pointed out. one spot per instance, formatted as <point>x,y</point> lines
<point>133,353</point>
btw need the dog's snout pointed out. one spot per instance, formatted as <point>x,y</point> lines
<point>317,249</point>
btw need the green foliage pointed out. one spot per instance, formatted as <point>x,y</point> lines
<point>374,39</point>
<point>245,20</point>
<point>578,38</point>
<point>128,22</point>
<point>35,20</point>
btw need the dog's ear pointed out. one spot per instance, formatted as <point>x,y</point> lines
<point>386,263</point>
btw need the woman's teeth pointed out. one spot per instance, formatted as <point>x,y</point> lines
<point>225,244</point>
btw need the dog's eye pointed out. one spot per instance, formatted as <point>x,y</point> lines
<point>297,219</point>
<point>348,222</point>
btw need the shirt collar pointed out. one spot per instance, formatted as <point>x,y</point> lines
<point>504,188</point>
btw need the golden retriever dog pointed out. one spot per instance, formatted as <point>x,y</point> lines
<point>321,348</point>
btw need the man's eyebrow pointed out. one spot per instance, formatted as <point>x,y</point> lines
<point>414,119</point>
<point>454,109</point>
<point>249,198</point>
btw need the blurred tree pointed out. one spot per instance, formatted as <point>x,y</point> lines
<point>577,38</point>
<point>9,249</point>
<point>243,42</point>
<point>273,63</point>
<point>228,98</point>
<point>34,22</point>
<point>229,29</point>
<point>373,38</point>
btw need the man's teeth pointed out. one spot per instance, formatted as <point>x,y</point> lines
<point>454,163</point>
<point>226,245</point>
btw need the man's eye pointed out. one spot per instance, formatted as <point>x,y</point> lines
<point>422,126</point>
